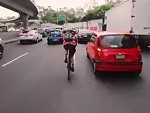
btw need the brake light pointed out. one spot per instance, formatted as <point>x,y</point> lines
<point>21,34</point>
<point>139,49</point>
<point>31,35</point>
<point>139,53</point>
<point>99,51</point>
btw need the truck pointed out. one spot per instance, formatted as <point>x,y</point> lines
<point>130,16</point>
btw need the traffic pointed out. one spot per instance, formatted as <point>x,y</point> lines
<point>108,51</point>
<point>60,57</point>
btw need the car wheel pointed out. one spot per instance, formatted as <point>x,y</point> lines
<point>61,41</point>
<point>137,73</point>
<point>21,42</point>
<point>79,41</point>
<point>48,42</point>
<point>96,72</point>
<point>1,51</point>
<point>37,40</point>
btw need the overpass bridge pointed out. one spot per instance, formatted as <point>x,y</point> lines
<point>25,8</point>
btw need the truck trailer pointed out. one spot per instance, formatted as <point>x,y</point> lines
<point>130,16</point>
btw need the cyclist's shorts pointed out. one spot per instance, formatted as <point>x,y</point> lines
<point>71,48</point>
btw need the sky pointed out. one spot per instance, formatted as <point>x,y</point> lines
<point>55,4</point>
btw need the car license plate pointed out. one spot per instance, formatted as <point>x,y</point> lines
<point>55,39</point>
<point>120,57</point>
<point>85,35</point>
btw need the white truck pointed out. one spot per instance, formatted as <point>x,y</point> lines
<point>130,16</point>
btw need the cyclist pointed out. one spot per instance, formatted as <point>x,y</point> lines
<point>70,43</point>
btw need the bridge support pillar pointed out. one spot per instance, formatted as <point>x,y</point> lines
<point>25,21</point>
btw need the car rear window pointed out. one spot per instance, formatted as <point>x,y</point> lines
<point>24,31</point>
<point>118,41</point>
<point>55,33</point>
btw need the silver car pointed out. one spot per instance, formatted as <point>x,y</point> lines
<point>1,48</point>
<point>30,35</point>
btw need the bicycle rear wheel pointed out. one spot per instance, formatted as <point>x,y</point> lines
<point>69,66</point>
<point>68,74</point>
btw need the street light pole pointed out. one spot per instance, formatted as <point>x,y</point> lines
<point>57,16</point>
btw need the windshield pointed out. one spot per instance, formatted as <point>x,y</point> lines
<point>118,41</point>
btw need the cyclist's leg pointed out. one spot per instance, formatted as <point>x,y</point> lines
<point>66,53</point>
<point>72,52</point>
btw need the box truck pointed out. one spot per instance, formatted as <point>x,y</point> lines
<point>130,16</point>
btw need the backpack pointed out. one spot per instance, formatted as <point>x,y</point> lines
<point>68,37</point>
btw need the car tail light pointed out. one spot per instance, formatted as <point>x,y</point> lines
<point>139,49</point>
<point>21,34</point>
<point>31,35</point>
<point>139,53</point>
<point>99,51</point>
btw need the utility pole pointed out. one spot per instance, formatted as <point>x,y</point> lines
<point>57,16</point>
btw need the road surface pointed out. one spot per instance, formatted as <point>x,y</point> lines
<point>33,79</point>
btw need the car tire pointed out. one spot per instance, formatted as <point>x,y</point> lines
<point>1,51</point>
<point>79,41</point>
<point>137,73</point>
<point>48,42</point>
<point>21,42</point>
<point>37,40</point>
<point>96,72</point>
<point>61,41</point>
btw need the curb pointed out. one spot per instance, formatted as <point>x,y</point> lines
<point>10,41</point>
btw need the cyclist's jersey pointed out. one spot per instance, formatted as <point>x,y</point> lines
<point>73,42</point>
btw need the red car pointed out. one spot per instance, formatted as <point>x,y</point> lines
<point>115,52</point>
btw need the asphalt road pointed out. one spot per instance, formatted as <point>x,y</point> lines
<point>33,79</point>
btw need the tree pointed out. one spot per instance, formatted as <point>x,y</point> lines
<point>97,12</point>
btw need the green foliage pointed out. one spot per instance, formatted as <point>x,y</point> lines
<point>97,12</point>
<point>50,15</point>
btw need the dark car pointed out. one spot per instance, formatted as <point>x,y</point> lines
<point>42,32</point>
<point>55,36</point>
<point>115,52</point>
<point>84,35</point>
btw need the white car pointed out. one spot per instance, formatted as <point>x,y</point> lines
<point>1,48</point>
<point>30,35</point>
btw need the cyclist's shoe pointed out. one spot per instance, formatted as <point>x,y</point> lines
<point>65,60</point>
<point>72,69</point>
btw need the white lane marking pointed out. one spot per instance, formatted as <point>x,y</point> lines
<point>44,42</point>
<point>14,59</point>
